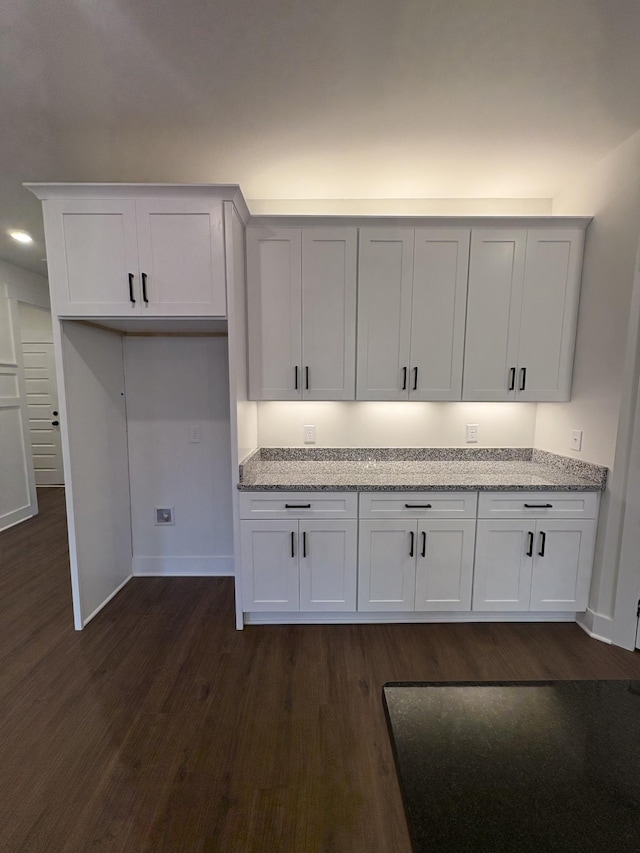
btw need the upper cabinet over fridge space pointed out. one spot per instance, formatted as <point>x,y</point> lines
<point>135,251</point>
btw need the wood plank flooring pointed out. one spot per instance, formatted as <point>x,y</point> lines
<point>162,728</point>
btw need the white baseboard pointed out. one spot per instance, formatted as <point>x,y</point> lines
<point>289,618</point>
<point>17,517</point>
<point>183,567</point>
<point>105,602</point>
<point>595,625</point>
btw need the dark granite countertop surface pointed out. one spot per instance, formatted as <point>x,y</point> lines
<point>520,766</point>
<point>416,469</point>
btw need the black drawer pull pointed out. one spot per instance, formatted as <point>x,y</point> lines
<point>417,506</point>
<point>423,553</point>
<point>523,378</point>
<point>131,296</point>
<point>304,544</point>
<point>144,288</point>
<point>415,378</point>
<point>297,506</point>
<point>512,378</point>
<point>404,378</point>
<point>306,378</point>
<point>543,540</point>
<point>413,536</point>
<point>293,544</point>
<point>296,377</point>
<point>538,506</point>
<point>530,548</point>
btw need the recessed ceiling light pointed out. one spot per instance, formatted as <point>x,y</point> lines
<point>21,236</point>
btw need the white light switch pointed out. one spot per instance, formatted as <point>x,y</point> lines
<point>576,439</point>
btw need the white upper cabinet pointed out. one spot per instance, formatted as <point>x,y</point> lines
<point>131,257</point>
<point>302,313</point>
<point>411,305</point>
<point>521,314</point>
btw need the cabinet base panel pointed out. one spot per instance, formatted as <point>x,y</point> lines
<point>274,618</point>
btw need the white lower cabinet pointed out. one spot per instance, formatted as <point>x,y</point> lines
<point>533,564</point>
<point>295,561</point>
<point>418,564</point>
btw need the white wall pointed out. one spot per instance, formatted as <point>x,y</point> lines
<point>401,207</point>
<point>363,424</point>
<point>173,386</point>
<point>603,387</point>
<point>35,324</point>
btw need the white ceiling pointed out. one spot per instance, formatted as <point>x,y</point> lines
<point>301,99</point>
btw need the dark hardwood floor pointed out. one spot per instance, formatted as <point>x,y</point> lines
<point>162,728</point>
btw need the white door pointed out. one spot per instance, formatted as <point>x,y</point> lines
<point>441,266</point>
<point>549,312</point>
<point>180,247</point>
<point>328,552</point>
<point>563,559</point>
<point>270,565</point>
<point>43,413</point>
<point>274,307</point>
<point>92,256</point>
<point>444,570</point>
<point>494,303</point>
<point>329,259</point>
<point>503,564</point>
<point>385,276</point>
<point>387,564</point>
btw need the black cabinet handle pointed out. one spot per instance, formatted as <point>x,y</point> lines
<point>296,377</point>
<point>297,506</point>
<point>543,539</point>
<point>413,536</point>
<point>55,423</point>
<point>306,378</point>
<point>538,506</point>
<point>423,553</point>
<point>415,378</point>
<point>144,288</point>
<point>131,296</point>
<point>304,544</point>
<point>512,378</point>
<point>404,378</point>
<point>417,506</point>
<point>293,544</point>
<point>523,378</point>
<point>530,548</point>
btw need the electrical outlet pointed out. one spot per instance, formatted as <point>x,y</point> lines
<point>472,433</point>
<point>195,434</point>
<point>576,440</point>
<point>309,434</point>
<point>164,515</point>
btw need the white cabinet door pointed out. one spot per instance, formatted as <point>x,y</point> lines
<point>327,553</point>
<point>181,254</point>
<point>444,570</point>
<point>387,564</point>
<point>563,559</point>
<point>384,313</point>
<point>270,565</point>
<point>549,314</point>
<point>92,256</point>
<point>503,564</point>
<point>441,266</point>
<point>494,304</point>
<point>329,313</point>
<point>274,293</point>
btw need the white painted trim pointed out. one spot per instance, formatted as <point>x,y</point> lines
<point>596,626</point>
<point>104,603</point>
<point>182,567</point>
<point>22,514</point>
<point>275,618</point>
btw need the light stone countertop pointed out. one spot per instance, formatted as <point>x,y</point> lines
<point>388,469</point>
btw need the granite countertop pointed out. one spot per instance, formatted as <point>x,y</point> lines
<point>526,766</point>
<point>416,469</point>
